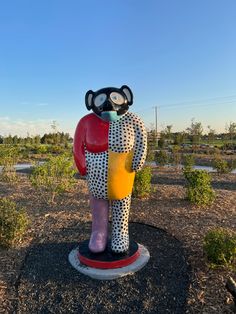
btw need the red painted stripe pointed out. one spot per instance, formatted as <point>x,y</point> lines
<point>109,265</point>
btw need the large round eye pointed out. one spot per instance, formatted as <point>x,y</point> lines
<point>100,99</point>
<point>117,98</point>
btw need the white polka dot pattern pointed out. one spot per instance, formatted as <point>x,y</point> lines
<point>97,168</point>
<point>129,133</point>
<point>124,135</point>
<point>121,135</point>
<point>120,218</point>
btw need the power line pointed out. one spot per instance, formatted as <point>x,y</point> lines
<point>185,106</point>
<point>195,103</point>
<point>201,100</point>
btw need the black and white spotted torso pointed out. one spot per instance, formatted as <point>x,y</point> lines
<point>126,134</point>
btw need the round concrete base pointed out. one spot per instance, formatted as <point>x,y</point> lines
<point>109,274</point>
<point>108,259</point>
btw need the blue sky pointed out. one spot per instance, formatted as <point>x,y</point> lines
<point>179,52</point>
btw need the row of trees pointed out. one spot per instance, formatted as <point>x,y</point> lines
<point>57,138</point>
<point>194,134</point>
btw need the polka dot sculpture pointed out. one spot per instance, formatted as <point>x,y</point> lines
<point>109,147</point>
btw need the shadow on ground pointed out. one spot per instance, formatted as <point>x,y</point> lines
<point>49,284</point>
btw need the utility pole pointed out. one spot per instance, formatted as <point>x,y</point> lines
<point>156,119</point>
<point>155,107</point>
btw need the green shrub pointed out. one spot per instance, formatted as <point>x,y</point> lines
<point>161,158</point>
<point>13,222</point>
<point>42,149</point>
<point>150,154</point>
<point>232,164</point>
<point>220,247</point>
<point>54,177</point>
<point>175,156</point>
<point>161,143</point>
<point>151,145</point>
<point>199,190</point>
<point>189,162</point>
<point>220,165</point>
<point>142,183</point>
<point>223,166</point>
<point>55,149</point>
<point>8,158</point>
<point>25,153</point>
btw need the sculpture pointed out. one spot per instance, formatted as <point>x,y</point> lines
<point>109,147</point>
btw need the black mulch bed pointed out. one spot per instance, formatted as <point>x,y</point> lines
<point>49,284</point>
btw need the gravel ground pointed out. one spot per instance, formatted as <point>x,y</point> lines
<point>159,287</point>
<point>36,277</point>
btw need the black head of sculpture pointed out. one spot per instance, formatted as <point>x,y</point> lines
<point>109,101</point>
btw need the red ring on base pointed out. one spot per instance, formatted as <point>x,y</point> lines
<point>109,265</point>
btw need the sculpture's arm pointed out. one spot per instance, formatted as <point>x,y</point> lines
<point>140,145</point>
<point>78,147</point>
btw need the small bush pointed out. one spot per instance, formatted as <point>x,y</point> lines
<point>189,162</point>
<point>199,190</point>
<point>232,164</point>
<point>25,153</point>
<point>13,222</point>
<point>220,165</point>
<point>8,158</point>
<point>55,149</point>
<point>150,154</point>
<point>142,183</point>
<point>161,158</point>
<point>42,149</point>
<point>175,157</point>
<point>223,166</point>
<point>161,143</point>
<point>54,177</point>
<point>220,247</point>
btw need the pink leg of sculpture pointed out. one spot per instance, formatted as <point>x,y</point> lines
<point>99,236</point>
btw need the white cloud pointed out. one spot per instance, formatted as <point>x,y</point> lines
<point>4,119</point>
<point>22,127</point>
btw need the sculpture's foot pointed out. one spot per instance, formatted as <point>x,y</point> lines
<point>120,244</point>
<point>98,242</point>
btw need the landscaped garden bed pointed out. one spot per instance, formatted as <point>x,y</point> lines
<point>166,208</point>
